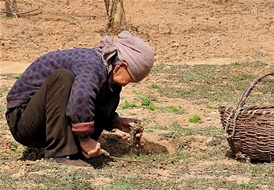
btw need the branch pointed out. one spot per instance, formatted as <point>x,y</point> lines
<point>17,20</point>
<point>19,13</point>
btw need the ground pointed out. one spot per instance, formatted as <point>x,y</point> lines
<point>213,32</point>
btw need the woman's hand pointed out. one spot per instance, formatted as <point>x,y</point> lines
<point>124,124</point>
<point>91,148</point>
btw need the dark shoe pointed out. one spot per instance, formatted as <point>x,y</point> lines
<point>68,161</point>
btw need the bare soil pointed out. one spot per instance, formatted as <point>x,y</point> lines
<point>180,32</point>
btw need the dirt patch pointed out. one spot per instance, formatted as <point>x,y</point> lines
<point>178,31</point>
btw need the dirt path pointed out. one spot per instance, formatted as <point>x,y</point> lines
<point>10,67</point>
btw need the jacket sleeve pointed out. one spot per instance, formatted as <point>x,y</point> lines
<point>89,79</point>
<point>83,130</point>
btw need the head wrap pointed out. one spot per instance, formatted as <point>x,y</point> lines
<point>134,51</point>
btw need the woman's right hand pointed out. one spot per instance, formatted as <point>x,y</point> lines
<point>91,148</point>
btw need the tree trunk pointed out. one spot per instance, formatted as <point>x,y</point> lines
<point>11,7</point>
<point>116,15</point>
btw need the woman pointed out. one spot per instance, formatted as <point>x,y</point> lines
<point>65,99</point>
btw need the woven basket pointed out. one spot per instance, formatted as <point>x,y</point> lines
<point>250,130</point>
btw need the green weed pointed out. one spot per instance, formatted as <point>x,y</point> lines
<point>173,109</point>
<point>211,106</point>
<point>128,105</point>
<point>194,119</point>
<point>118,186</point>
<point>3,91</point>
<point>155,85</point>
<point>18,76</point>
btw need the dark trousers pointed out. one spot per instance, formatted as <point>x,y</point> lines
<point>42,123</point>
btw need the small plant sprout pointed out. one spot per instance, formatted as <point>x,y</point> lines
<point>211,106</point>
<point>127,105</point>
<point>145,101</point>
<point>18,76</point>
<point>194,119</point>
<point>154,85</point>
<point>174,109</point>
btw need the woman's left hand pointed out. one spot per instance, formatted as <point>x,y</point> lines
<point>124,124</point>
<point>90,148</point>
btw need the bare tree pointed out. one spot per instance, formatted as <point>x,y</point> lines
<point>116,15</point>
<point>11,7</point>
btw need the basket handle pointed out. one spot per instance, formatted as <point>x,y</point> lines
<point>252,85</point>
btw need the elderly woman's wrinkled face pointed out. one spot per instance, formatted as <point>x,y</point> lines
<point>121,75</point>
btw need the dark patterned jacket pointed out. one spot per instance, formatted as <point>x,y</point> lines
<point>93,97</point>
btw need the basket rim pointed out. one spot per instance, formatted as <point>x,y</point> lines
<point>247,92</point>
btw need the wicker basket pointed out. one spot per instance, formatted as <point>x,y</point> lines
<point>250,130</point>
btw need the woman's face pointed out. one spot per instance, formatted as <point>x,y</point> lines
<point>120,74</point>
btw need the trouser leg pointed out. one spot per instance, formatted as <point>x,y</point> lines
<point>43,123</point>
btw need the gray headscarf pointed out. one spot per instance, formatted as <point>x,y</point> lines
<point>134,51</point>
